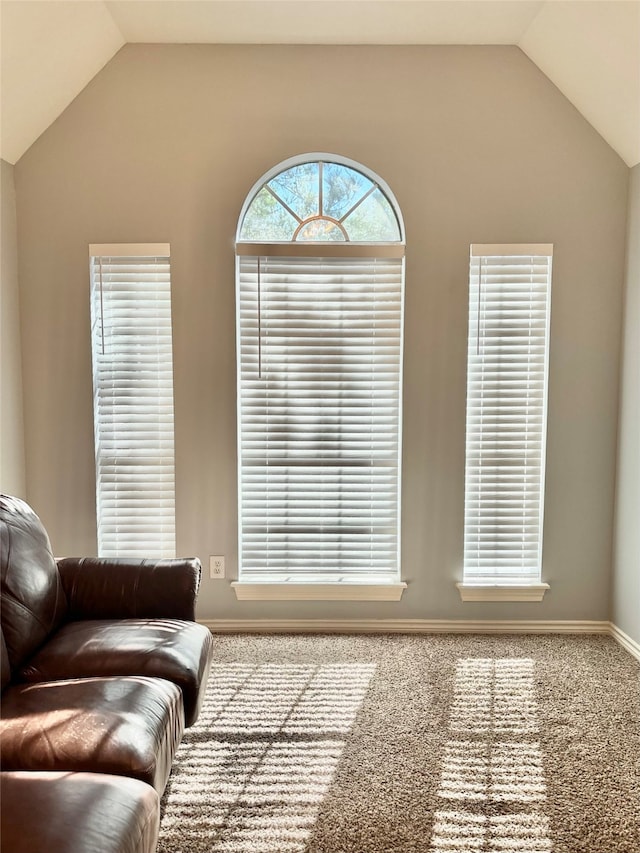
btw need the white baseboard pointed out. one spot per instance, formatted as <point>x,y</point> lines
<point>625,640</point>
<point>418,626</point>
<point>404,626</point>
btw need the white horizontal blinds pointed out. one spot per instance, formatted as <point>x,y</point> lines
<point>509,300</point>
<point>133,403</point>
<point>320,363</point>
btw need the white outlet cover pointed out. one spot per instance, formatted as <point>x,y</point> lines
<point>216,567</point>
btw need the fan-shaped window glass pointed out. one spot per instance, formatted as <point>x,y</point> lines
<point>321,229</point>
<point>297,188</point>
<point>267,219</point>
<point>319,202</point>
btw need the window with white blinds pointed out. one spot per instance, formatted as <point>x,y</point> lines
<point>320,272</point>
<point>320,368</point>
<point>509,302</point>
<point>133,400</point>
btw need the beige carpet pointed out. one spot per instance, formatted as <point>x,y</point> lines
<point>411,744</point>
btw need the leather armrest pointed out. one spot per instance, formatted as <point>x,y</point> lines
<point>99,588</point>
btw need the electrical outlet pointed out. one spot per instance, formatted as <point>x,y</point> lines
<point>216,567</point>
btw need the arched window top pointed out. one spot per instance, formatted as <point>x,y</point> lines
<point>320,198</point>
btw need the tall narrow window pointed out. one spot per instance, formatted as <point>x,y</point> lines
<point>509,301</point>
<point>319,307</point>
<point>133,400</point>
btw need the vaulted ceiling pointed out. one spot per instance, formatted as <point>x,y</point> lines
<point>51,49</point>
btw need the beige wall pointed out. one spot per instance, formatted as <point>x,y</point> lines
<point>476,144</point>
<point>626,574</point>
<point>12,471</point>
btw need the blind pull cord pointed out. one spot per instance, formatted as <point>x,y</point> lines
<point>101,305</point>
<point>479,303</point>
<point>259,322</point>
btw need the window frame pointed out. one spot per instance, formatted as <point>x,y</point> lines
<point>505,585</point>
<point>299,589</point>
<point>123,529</point>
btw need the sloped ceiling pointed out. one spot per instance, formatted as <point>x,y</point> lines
<point>51,49</point>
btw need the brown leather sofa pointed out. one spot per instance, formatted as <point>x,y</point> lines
<point>103,665</point>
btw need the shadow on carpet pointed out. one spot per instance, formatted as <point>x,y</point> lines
<point>411,744</point>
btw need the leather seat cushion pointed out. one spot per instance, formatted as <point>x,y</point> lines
<point>77,813</point>
<point>122,726</point>
<point>165,648</point>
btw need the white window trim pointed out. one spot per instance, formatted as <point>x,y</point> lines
<point>512,590</point>
<point>130,250</point>
<point>312,591</point>
<point>502,592</point>
<point>326,250</point>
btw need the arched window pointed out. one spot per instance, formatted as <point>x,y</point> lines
<point>320,201</point>
<point>320,272</point>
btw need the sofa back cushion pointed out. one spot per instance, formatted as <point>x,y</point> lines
<point>32,601</point>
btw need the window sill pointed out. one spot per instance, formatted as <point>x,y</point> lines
<point>336,591</point>
<point>502,592</point>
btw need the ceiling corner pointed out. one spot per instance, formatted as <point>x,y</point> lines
<point>591,52</point>
<point>50,52</point>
